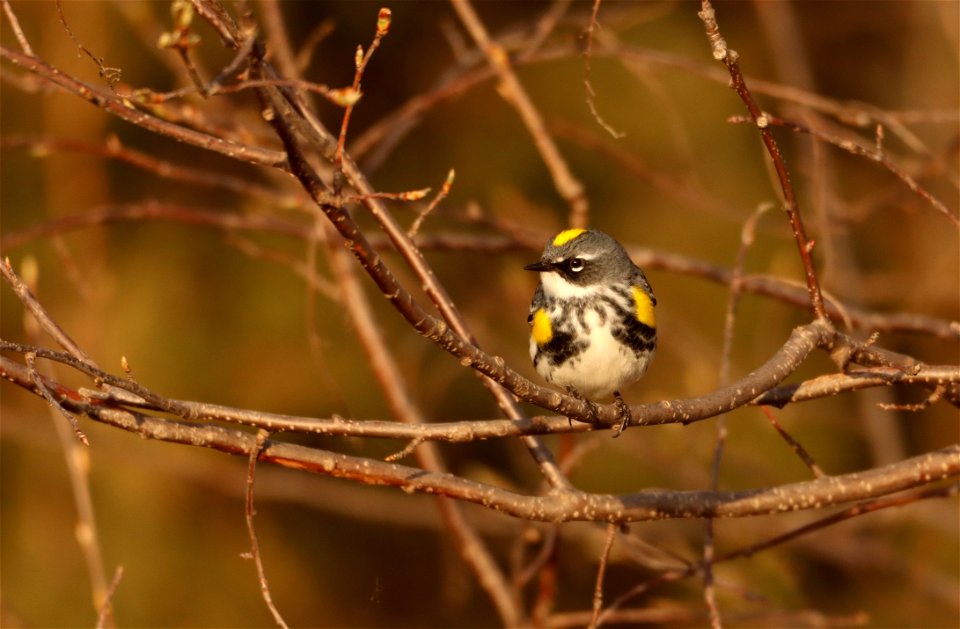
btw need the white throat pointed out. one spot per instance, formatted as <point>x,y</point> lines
<point>557,286</point>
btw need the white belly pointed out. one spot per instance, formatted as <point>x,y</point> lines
<point>604,367</point>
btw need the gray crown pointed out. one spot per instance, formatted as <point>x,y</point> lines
<point>592,257</point>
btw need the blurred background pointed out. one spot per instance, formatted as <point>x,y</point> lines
<point>208,315</point>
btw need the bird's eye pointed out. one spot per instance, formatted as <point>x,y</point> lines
<point>575,265</point>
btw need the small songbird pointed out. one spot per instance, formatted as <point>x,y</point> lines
<point>593,329</point>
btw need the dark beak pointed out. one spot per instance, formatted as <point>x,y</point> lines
<point>540,266</point>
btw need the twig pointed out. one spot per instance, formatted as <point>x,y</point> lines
<point>183,41</point>
<point>361,60</point>
<point>106,608</point>
<point>512,90</point>
<point>112,75</point>
<point>113,148</point>
<point>284,120</point>
<point>15,27</point>
<point>933,376</point>
<point>937,393</point>
<point>863,508</point>
<point>747,236</point>
<point>390,378</point>
<point>121,108</point>
<point>601,571</point>
<point>856,510</point>
<point>441,195</point>
<point>794,444</point>
<point>76,454</point>
<point>319,32</point>
<point>278,37</point>
<point>587,85</point>
<point>29,300</point>
<point>707,561</point>
<point>254,553</point>
<point>670,616</point>
<point>780,289</point>
<point>29,357</point>
<point>547,553</point>
<point>545,568</point>
<point>876,154</point>
<point>731,59</point>
<point>544,27</point>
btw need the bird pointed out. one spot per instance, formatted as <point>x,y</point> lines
<point>592,320</point>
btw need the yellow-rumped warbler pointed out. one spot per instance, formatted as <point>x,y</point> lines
<point>593,328</point>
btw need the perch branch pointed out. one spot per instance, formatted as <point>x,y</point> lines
<point>556,506</point>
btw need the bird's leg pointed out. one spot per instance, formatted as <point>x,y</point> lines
<point>623,411</point>
<point>593,414</point>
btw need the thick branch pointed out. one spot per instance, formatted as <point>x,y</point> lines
<point>557,506</point>
<point>802,341</point>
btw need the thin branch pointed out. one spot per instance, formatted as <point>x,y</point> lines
<point>876,154</point>
<point>40,314</point>
<point>29,358</point>
<point>747,237</point>
<point>587,84</point>
<point>776,288</point>
<point>286,121</point>
<point>249,511</point>
<point>105,615</point>
<point>441,195</point>
<point>278,37</point>
<point>74,447</point>
<point>512,90</point>
<point>17,30</point>
<point>601,571</point>
<point>124,109</point>
<point>863,508</point>
<point>794,444</point>
<point>183,41</point>
<point>112,75</point>
<point>731,59</point>
<point>856,510</point>
<point>361,60</point>
<point>113,148</point>
<point>390,378</point>
<point>832,384</point>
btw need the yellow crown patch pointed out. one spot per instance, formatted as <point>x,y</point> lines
<point>566,236</point>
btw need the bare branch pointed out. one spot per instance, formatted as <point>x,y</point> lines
<point>876,154</point>
<point>601,570</point>
<point>125,109</point>
<point>512,90</point>
<point>557,506</point>
<point>254,554</point>
<point>731,59</point>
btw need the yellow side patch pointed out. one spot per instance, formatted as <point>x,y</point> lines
<point>542,330</point>
<point>566,236</point>
<point>645,313</point>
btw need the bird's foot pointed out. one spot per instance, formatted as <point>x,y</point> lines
<point>623,412</point>
<point>593,414</point>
